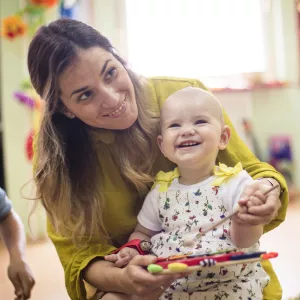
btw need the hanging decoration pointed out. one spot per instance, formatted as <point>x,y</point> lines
<point>26,20</point>
<point>45,3</point>
<point>13,27</point>
<point>30,99</point>
<point>67,8</point>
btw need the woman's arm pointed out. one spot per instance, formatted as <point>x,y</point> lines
<point>237,151</point>
<point>74,260</point>
<point>87,263</point>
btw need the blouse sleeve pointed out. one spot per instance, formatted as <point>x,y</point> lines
<point>75,259</point>
<point>5,205</point>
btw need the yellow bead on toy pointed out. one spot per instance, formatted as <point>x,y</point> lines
<point>177,267</point>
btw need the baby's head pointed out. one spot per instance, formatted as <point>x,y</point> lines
<point>192,127</point>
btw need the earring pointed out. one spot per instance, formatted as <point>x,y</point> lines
<point>70,115</point>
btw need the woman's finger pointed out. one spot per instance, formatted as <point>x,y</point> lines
<point>261,196</point>
<point>142,278</point>
<point>254,201</point>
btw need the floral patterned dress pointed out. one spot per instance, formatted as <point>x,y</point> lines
<point>186,210</point>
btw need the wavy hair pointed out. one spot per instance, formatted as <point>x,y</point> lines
<point>66,172</point>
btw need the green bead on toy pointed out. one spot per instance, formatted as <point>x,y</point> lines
<point>153,268</point>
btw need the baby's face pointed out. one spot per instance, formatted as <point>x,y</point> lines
<point>191,127</point>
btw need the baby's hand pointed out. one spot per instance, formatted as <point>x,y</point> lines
<point>21,277</point>
<point>256,199</point>
<point>123,257</point>
<point>251,197</point>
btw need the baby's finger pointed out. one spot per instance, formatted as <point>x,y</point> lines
<point>122,261</point>
<point>254,201</point>
<point>258,194</point>
<point>242,209</point>
<point>111,257</point>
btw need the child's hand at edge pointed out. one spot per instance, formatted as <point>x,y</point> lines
<point>21,277</point>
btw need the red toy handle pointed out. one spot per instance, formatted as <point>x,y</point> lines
<point>135,244</point>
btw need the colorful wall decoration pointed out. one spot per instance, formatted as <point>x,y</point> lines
<point>31,100</point>
<point>24,23</point>
<point>26,20</point>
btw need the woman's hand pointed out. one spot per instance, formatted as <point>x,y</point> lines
<point>257,209</point>
<point>142,284</point>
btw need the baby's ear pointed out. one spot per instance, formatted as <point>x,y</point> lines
<point>160,143</point>
<point>225,137</point>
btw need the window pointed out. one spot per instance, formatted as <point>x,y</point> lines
<point>215,40</point>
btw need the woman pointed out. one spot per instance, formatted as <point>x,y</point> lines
<point>96,154</point>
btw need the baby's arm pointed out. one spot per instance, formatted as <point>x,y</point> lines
<point>149,217</point>
<point>124,256</point>
<point>236,194</point>
<point>246,235</point>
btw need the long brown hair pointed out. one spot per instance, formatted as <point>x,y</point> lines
<point>67,175</point>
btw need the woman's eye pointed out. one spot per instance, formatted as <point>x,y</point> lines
<point>174,125</point>
<point>111,73</point>
<point>200,122</point>
<point>85,95</point>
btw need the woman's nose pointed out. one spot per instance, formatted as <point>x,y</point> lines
<point>110,97</point>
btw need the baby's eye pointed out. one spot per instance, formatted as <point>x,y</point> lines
<point>85,95</point>
<point>200,122</point>
<point>174,125</point>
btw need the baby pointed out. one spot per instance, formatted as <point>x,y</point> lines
<point>195,195</point>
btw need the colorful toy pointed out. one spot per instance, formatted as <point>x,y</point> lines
<point>190,263</point>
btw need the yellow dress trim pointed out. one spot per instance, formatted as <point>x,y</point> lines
<point>221,172</point>
<point>164,179</point>
<point>224,173</point>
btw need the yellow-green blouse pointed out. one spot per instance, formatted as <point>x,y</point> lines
<point>122,204</point>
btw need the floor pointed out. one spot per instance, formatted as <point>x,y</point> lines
<point>47,271</point>
<point>50,279</point>
<point>286,241</point>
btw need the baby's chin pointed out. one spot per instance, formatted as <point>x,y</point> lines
<point>190,163</point>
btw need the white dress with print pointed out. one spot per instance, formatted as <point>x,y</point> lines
<point>186,210</point>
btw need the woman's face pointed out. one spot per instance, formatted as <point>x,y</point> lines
<point>97,89</point>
